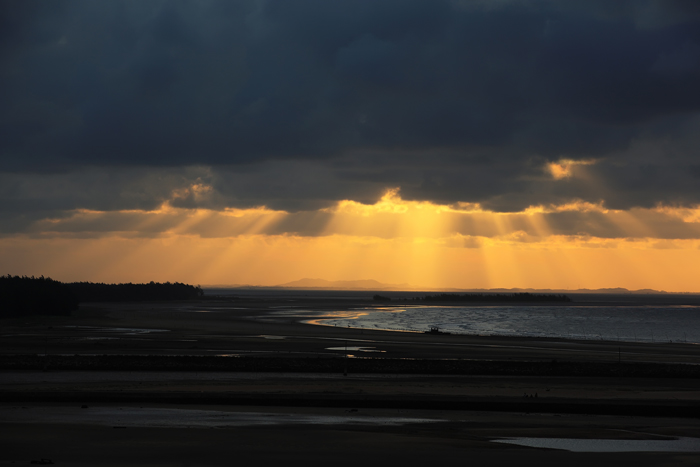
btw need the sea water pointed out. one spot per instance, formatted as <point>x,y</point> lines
<point>680,323</point>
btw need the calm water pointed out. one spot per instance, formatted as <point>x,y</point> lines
<point>626,323</point>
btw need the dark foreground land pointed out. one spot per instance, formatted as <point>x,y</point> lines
<point>359,438</point>
<point>231,361</point>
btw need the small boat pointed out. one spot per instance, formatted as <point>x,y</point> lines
<point>436,330</point>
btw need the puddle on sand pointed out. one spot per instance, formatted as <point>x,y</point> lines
<point>681,444</point>
<point>356,349</point>
<point>161,417</point>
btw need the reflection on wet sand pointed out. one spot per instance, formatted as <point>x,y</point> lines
<point>683,444</point>
<point>356,349</point>
<point>187,418</point>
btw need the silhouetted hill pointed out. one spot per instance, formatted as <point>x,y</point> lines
<point>496,298</point>
<point>27,296</point>
<point>603,291</point>
<point>371,284</point>
<point>367,284</point>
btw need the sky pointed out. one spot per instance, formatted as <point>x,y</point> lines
<point>439,143</point>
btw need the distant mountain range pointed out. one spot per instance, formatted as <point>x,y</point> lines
<point>371,284</point>
<point>616,290</point>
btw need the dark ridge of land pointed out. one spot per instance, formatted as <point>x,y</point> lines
<point>494,298</point>
<point>30,296</point>
<point>361,297</point>
<point>340,365</point>
<point>153,291</point>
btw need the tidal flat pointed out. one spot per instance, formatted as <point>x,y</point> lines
<point>256,354</point>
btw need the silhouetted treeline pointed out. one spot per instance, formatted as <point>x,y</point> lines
<point>499,298</point>
<point>27,296</point>
<point>153,291</point>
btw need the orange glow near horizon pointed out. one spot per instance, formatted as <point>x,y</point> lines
<point>272,260</point>
<point>569,246</point>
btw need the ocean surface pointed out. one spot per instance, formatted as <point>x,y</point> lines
<point>653,323</point>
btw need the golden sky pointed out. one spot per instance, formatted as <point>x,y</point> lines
<point>437,143</point>
<point>577,245</point>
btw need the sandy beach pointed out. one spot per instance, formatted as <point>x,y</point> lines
<point>472,408</point>
<point>276,326</point>
<point>132,435</point>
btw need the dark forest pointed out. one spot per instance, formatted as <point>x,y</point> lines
<point>27,296</point>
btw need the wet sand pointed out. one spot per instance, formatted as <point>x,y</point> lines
<point>273,330</point>
<point>276,327</point>
<point>360,437</point>
<point>274,358</point>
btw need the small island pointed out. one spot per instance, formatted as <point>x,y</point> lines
<point>524,297</point>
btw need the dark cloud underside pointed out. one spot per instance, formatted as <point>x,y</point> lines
<point>297,104</point>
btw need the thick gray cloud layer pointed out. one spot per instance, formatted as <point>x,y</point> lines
<point>296,104</point>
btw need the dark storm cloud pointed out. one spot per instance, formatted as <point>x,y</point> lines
<point>296,104</point>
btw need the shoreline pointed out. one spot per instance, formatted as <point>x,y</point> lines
<point>282,328</point>
<point>272,357</point>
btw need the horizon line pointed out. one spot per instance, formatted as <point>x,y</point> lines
<point>389,288</point>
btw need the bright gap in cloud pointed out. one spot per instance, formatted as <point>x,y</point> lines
<point>390,217</point>
<point>573,245</point>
